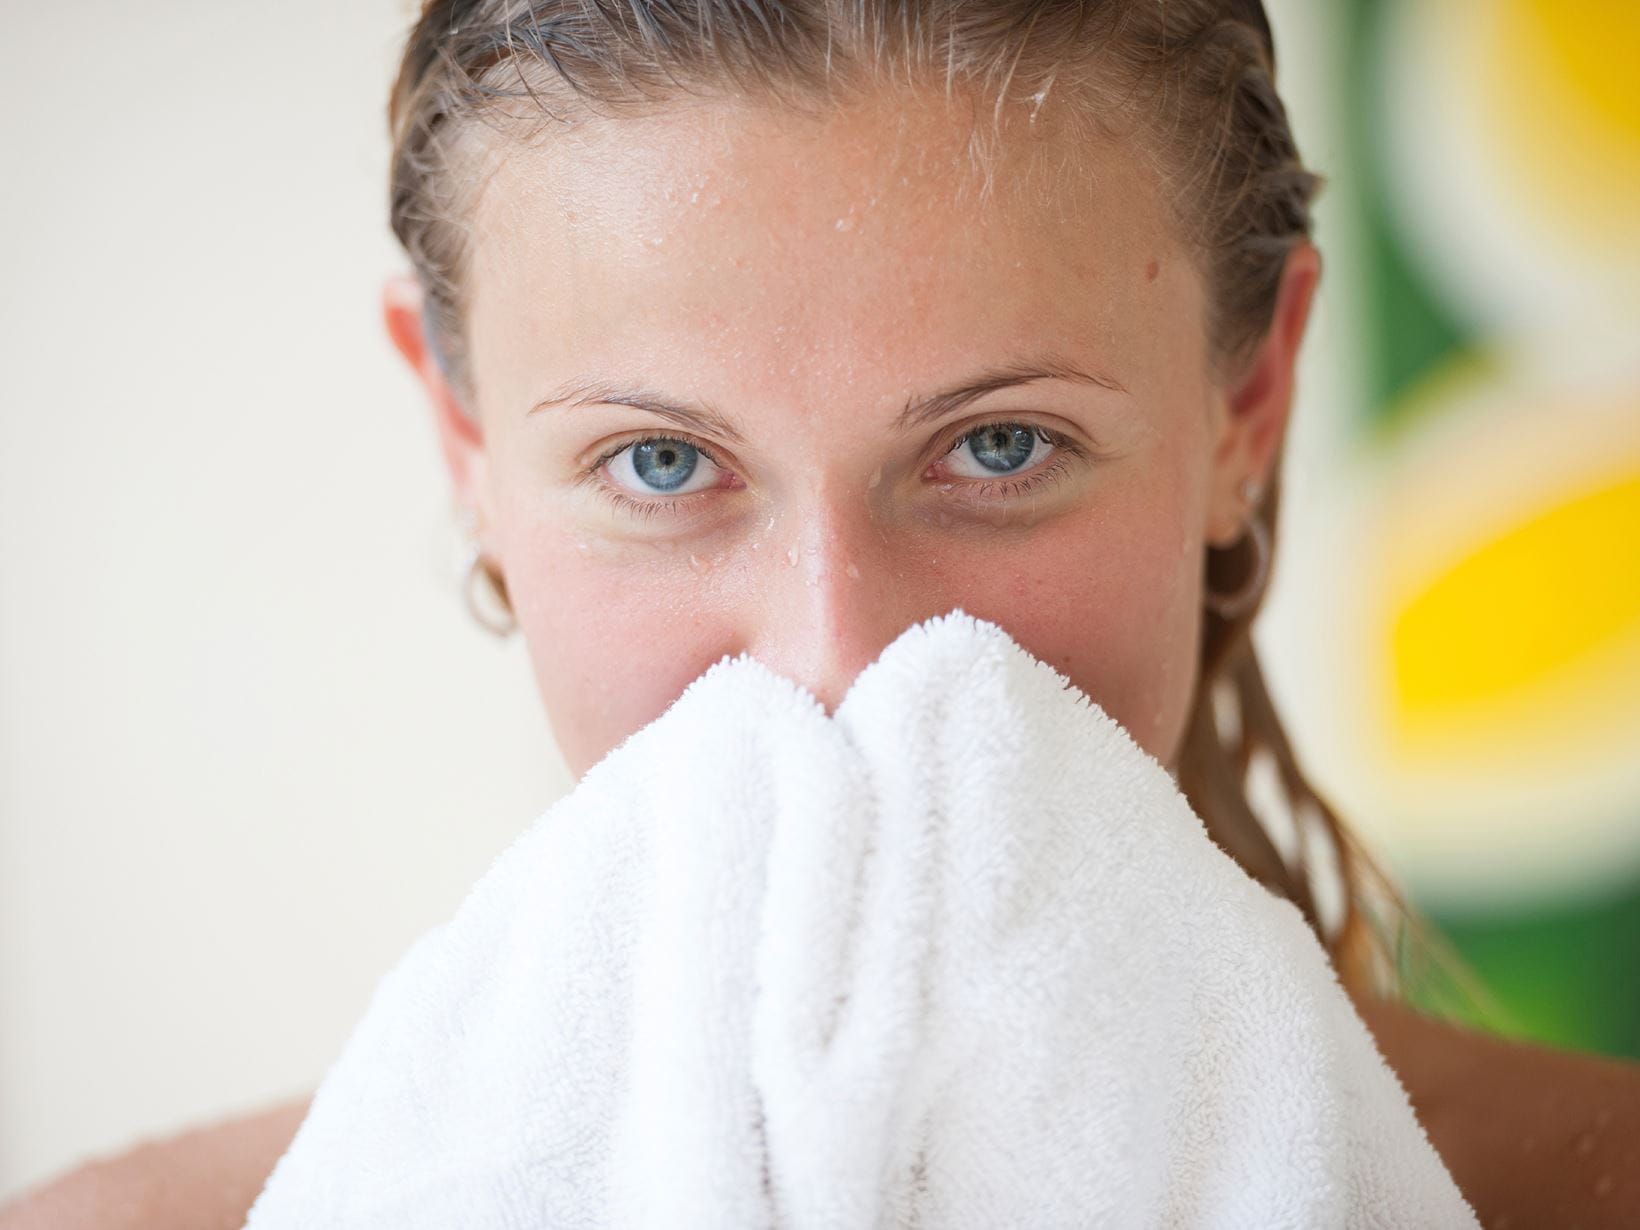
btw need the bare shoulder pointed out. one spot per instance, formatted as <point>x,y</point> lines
<point>1533,1135</point>
<point>202,1179</point>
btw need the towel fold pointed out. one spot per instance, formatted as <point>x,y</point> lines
<point>957,956</point>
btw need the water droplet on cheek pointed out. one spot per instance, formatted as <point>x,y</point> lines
<point>791,556</point>
<point>582,545</point>
<point>876,477</point>
<point>698,564</point>
<point>853,572</point>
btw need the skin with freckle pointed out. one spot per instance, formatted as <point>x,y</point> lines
<point>699,254</point>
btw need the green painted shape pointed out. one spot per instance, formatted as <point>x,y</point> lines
<point>1567,973</point>
<point>1408,330</point>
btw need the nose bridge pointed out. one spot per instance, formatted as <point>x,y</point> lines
<point>832,596</point>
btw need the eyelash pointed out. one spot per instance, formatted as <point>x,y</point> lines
<point>1012,488</point>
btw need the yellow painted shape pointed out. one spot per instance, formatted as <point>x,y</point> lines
<point>1562,83</point>
<point>1539,597</point>
<point>1594,45</point>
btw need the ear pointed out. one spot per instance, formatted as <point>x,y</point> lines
<point>460,436</point>
<point>1257,402</point>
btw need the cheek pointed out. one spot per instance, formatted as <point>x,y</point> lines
<point>1112,600</point>
<point>1143,634</point>
<point>608,652</point>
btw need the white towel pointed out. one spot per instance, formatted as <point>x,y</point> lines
<point>959,955</point>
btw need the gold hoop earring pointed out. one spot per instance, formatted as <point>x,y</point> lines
<point>1239,602</point>
<point>468,572</point>
<point>497,626</point>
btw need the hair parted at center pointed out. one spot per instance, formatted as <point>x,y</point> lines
<point>1191,82</point>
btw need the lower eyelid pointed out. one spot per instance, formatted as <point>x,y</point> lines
<point>1049,473</point>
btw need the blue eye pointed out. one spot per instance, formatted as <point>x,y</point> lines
<point>1002,448</point>
<point>1002,451</point>
<point>666,464</point>
<point>659,465</point>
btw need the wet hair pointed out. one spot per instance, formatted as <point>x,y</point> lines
<point>1192,82</point>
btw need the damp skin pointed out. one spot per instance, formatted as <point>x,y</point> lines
<point>805,279</point>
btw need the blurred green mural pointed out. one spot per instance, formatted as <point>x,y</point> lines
<point>1494,148</point>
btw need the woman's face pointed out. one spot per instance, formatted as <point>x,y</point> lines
<point>748,381</point>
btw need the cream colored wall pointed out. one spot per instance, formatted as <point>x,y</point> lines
<point>250,745</point>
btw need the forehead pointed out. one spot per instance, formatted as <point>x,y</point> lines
<point>763,250</point>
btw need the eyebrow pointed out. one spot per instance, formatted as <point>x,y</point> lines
<point>927,408</point>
